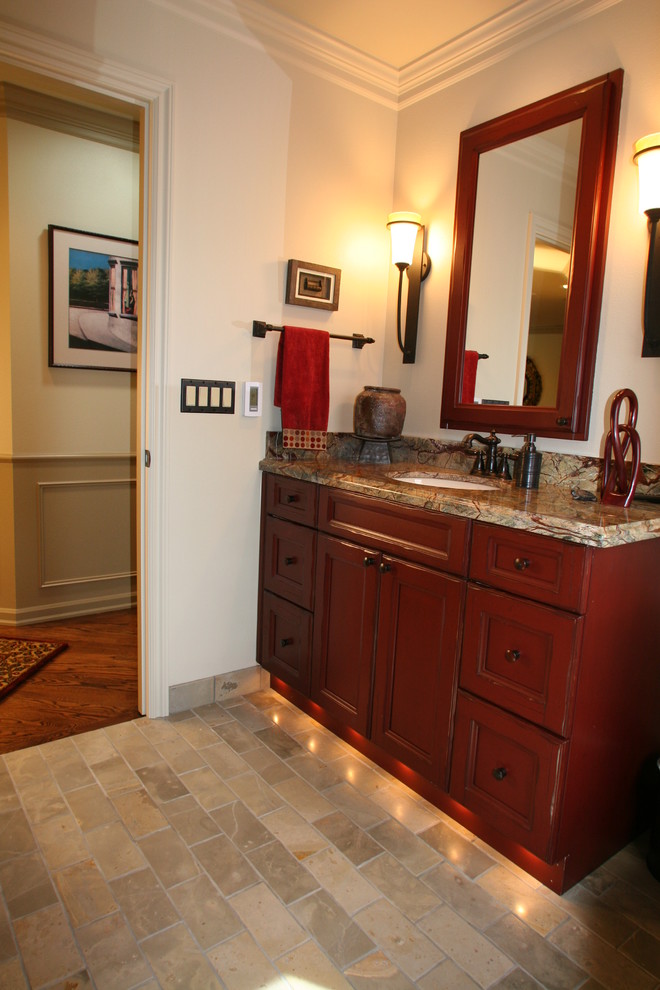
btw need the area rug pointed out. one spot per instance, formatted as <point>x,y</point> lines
<point>20,657</point>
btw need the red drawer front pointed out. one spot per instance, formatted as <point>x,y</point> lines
<point>538,567</point>
<point>289,555</point>
<point>508,772</point>
<point>521,656</point>
<point>286,640</point>
<point>418,535</point>
<point>291,499</point>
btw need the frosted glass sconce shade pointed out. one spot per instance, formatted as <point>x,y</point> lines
<point>407,233</point>
<point>646,154</point>
<point>403,228</point>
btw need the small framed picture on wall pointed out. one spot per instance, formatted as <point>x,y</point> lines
<point>93,300</point>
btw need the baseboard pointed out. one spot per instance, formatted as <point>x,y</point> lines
<point>55,611</point>
<point>195,694</point>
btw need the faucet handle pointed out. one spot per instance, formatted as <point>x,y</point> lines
<point>479,467</point>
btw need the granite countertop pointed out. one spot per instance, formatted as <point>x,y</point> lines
<point>550,510</point>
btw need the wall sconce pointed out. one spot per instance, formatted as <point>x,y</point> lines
<point>646,154</point>
<point>408,254</point>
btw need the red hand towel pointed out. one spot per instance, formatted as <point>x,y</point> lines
<point>470,361</point>
<point>302,387</point>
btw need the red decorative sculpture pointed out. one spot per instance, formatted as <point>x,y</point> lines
<point>619,481</point>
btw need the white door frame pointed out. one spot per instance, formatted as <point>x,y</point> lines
<point>34,53</point>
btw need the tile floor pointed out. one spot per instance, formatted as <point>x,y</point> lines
<point>242,846</point>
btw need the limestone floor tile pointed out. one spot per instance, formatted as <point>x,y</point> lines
<point>529,903</point>
<point>593,955</point>
<point>114,850</point>
<point>178,962</point>
<point>406,847</point>
<point>210,918</point>
<point>26,885</point>
<point>293,832</point>
<point>196,732</point>
<point>598,916</point>
<point>169,857</point>
<point>402,941</point>
<point>192,823</point>
<point>273,927</point>
<point>139,813</point>
<point>11,975</point>
<point>376,970</point>
<point>361,810</point>
<point>644,950</point>
<point>470,950</point>
<point>42,801</point>
<point>365,776</point>
<point>115,776</point>
<point>322,744</point>
<point>336,874</point>
<point>242,965</point>
<point>405,808</point>
<point>224,760</point>
<point>412,897</point>
<point>356,844</point>
<point>317,773</point>
<point>241,826</point>
<point>16,836</point>
<point>340,938</point>
<point>94,747</point>
<point>249,716</point>
<point>307,967</point>
<point>132,745</point>
<point>280,742</point>
<point>635,904</point>
<point>457,849</point>
<point>213,714</point>
<point>207,787</point>
<point>179,755</point>
<point>255,793</point>
<point>237,736</point>
<point>113,957</point>
<point>61,842</point>
<point>66,765</point>
<point>91,807</point>
<point>161,782</point>
<point>268,765</point>
<point>282,871</point>
<point>466,897</point>
<point>146,906</point>
<point>448,976</point>
<point>84,892</point>
<point>305,798</point>
<point>7,947</point>
<point>225,864</point>
<point>537,956</point>
<point>47,946</point>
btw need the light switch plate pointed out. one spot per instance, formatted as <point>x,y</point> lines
<point>204,395</point>
<point>252,398</point>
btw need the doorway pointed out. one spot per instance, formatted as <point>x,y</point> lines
<point>30,60</point>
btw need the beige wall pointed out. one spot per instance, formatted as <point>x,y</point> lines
<point>426,158</point>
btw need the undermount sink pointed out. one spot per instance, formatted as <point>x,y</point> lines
<point>433,482</point>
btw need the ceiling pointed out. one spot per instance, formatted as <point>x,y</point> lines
<point>390,31</point>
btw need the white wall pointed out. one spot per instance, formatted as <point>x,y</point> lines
<point>427,151</point>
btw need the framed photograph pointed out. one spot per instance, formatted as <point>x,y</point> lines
<point>93,296</point>
<point>312,285</point>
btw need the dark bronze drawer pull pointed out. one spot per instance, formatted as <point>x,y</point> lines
<point>499,773</point>
<point>384,568</point>
<point>512,655</point>
<point>289,560</point>
<point>286,642</point>
<point>521,563</point>
<point>369,561</point>
<point>292,498</point>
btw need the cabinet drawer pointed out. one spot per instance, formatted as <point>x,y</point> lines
<point>291,499</point>
<point>520,655</point>
<point>288,565</point>
<point>414,534</point>
<point>508,772</point>
<point>537,567</point>
<point>286,632</point>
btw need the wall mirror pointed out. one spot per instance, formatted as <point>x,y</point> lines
<point>530,235</point>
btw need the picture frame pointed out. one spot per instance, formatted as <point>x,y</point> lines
<point>93,300</point>
<point>312,285</point>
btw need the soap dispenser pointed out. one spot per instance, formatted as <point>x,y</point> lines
<point>528,465</point>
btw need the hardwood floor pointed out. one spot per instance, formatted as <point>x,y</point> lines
<point>91,684</point>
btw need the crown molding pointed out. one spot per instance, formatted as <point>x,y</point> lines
<point>523,23</point>
<point>43,110</point>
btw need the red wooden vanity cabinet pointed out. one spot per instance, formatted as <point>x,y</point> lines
<point>511,678</point>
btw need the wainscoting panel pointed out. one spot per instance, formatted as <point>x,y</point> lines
<point>86,531</point>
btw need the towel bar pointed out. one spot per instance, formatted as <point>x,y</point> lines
<point>260,329</point>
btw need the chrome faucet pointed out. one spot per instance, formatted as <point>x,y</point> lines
<point>491,443</point>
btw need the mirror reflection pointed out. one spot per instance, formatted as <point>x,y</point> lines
<point>523,233</point>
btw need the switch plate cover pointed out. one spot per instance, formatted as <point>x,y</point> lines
<point>205,395</point>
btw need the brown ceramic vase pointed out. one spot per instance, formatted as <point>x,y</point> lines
<point>379,413</point>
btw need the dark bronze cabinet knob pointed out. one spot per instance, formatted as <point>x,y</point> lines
<point>289,560</point>
<point>499,773</point>
<point>521,563</point>
<point>369,561</point>
<point>286,642</point>
<point>512,655</point>
<point>384,567</point>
